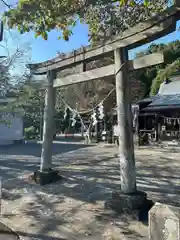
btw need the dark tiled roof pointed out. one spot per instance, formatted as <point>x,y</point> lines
<point>166,100</point>
<point>167,97</point>
<point>159,108</point>
<point>149,99</point>
<point>172,87</point>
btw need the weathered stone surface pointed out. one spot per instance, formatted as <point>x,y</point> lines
<point>164,222</point>
<point>43,178</point>
<point>7,234</point>
<point>126,203</point>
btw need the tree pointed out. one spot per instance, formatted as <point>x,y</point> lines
<point>31,100</point>
<point>16,53</point>
<point>153,76</point>
<point>163,74</point>
<point>84,96</point>
<point>15,57</point>
<point>4,76</point>
<point>104,17</point>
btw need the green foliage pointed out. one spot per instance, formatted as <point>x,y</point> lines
<point>164,74</point>
<point>107,20</point>
<point>4,85</point>
<point>31,133</point>
<point>45,15</point>
<point>5,122</point>
<point>4,76</point>
<point>31,100</point>
<point>171,53</point>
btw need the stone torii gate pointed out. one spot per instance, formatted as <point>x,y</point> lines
<point>158,26</point>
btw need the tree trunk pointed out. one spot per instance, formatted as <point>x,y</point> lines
<point>124,115</point>
<point>48,128</point>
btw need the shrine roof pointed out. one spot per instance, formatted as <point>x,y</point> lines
<point>160,108</point>
<point>168,94</point>
<point>171,87</point>
<point>166,100</point>
<point>148,99</point>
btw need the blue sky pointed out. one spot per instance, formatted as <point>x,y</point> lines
<point>43,50</point>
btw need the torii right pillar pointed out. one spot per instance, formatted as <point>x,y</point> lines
<point>127,198</point>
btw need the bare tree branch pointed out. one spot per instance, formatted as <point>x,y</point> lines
<point>17,55</point>
<point>6,4</point>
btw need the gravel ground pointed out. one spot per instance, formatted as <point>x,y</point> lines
<point>74,207</point>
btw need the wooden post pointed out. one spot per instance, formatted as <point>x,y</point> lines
<point>1,30</point>
<point>48,130</point>
<point>41,118</point>
<point>97,131</point>
<point>124,117</point>
<point>156,127</point>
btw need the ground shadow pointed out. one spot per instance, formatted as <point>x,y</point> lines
<point>89,177</point>
<point>75,138</point>
<point>39,236</point>
<point>34,149</point>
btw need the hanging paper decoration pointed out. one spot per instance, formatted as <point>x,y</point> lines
<point>163,128</point>
<point>101,111</point>
<point>94,118</point>
<point>73,119</point>
<point>73,122</point>
<point>66,113</point>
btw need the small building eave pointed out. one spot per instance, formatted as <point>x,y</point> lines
<point>148,99</point>
<point>160,108</point>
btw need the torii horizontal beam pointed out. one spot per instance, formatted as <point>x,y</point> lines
<point>101,73</point>
<point>108,71</point>
<point>158,26</point>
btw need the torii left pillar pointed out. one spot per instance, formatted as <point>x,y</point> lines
<point>46,174</point>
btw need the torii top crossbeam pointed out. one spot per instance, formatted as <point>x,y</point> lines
<point>152,29</point>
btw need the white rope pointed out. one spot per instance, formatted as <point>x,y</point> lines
<point>90,110</point>
<point>73,110</point>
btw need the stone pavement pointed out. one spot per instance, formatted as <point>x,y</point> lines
<point>74,208</point>
<point>6,233</point>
